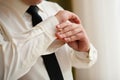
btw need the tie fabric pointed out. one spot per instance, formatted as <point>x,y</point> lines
<point>33,11</point>
<point>50,61</point>
<point>52,67</point>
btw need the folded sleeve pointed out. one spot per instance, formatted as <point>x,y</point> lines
<point>20,51</point>
<point>84,59</point>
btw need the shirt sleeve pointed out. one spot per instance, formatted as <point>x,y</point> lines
<point>83,59</point>
<point>78,59</point>
<point>21,51</point>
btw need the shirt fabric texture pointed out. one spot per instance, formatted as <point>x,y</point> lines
<point>22,45</point>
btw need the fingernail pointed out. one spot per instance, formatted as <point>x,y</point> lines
<point>60,29</point>
<point>61,36</point>
<point>58,26</point>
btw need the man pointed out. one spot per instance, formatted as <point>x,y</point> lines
<point>22,45</point>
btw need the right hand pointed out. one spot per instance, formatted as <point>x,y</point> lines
<point>74,35</point>
<point>64,15</point>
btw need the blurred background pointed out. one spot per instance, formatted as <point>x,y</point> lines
<point>101,19</point>
<point>66,4</point>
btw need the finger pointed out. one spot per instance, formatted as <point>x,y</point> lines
<point>64,15</point>
<point>59,35</point>
<point>73,28</point>
<point>63,25</point>
<point>68,28</point>
<point>71,32</point>
<point>74,38</point>
<point>73,18</point>
<point>59,29</point>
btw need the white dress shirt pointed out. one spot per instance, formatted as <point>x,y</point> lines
<point>22,45</point>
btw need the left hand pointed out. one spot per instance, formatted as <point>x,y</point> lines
<point>74,35</point>
<point>64,15</point>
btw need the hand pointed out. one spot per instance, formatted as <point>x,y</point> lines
<point>74,35</point>
<point>64,16</point>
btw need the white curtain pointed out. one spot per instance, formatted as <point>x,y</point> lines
<point>101,19</point>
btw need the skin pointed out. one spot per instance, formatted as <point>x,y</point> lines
<point>32,2</point>
<point>69,30</point>
<point>74,35</point>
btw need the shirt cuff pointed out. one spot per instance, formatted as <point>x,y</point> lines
<point>90,57</point>
<point>49,26</point>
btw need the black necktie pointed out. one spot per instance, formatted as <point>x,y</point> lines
<point>50,61</point>
<point>33,11</point>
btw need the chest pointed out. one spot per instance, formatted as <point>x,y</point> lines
<point>38,71</point>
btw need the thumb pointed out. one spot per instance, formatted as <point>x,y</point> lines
<point>65,15</point>
<point>72,17</point>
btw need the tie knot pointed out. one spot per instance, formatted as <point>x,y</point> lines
<point>32,9</point>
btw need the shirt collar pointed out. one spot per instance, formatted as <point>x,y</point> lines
<point>18,5</point>
<point>40,6</point>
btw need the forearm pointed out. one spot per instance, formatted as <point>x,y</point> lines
<point>20,51</point>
